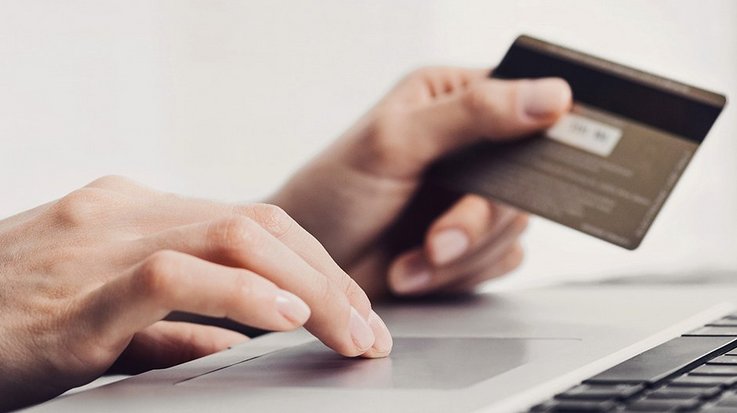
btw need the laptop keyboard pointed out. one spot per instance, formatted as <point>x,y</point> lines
<point>696,372</point>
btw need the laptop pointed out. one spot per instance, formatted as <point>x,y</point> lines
<point>568,348</point>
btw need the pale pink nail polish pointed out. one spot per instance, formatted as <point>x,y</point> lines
<point>361,332</point>
<point>383,342</point>
<point>413,275</point>
<point>448,245</point>
<point>292,307</point>
<point>543,98</point>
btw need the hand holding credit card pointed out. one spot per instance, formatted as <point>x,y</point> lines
<point>605,168</point>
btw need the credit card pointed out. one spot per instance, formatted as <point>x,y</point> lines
<point>605,168</point>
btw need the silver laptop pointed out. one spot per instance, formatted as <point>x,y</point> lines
<point>613,347</point>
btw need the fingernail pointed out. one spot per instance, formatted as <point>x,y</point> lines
<point>383,342</point>
<point>448,245</point>
<point>292,307</point>
<point>543,98</point>
<point>361,333</point>
<point>413,275</point>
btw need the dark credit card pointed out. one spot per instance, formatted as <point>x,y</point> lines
<point>605,168</point>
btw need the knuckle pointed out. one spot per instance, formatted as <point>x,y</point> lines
<point>232,234</point>
<point>356,295</point>
<point>476,212</point>
<point>80,206</point>
<point>486,217</point>
<point>477,99</point>
<point>110,181</point>
<point>243,286</point>
<point>521,222</point>
<point>330,293</point>
<point>493,102</point>
<point>273,218</point>
<point>388,140</point>
<point>155,276</point>
<point>249,286</point>
<point>514,259</point>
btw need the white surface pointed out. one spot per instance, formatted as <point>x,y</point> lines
<point>225,99</point>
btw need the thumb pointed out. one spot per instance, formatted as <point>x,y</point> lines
<point>491,109</point>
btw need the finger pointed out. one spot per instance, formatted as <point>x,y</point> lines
<point>241,242</point>
<point>280,225</point>
<point>487,109</point>
<point>277,223</point>
<point>412,273</point>
<point>283,227</point>
<point>484,259</point>
<point>166,343</point>
<point>509,261</point>
<point>169,281</point>
<point>172,212</point>
<point>460,230</point>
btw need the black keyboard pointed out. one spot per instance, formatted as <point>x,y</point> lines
<point>696,372</point>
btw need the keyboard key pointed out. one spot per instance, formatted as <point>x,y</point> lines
<point>650,405</point>
<point>671,392</point>
<point>713,370</point>
<point>726,359</point>
<point>716,409</point>
<point>592,392</point>
<point>577,406</point>
<point>663,361</point>
<point>713,332</point>
<point>703,381</point>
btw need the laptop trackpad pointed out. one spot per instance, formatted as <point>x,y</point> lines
<point>415,363</point>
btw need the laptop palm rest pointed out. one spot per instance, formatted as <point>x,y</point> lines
<point>415,363</point>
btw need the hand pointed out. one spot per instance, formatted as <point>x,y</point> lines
<point>363,197</point>
<point>88,278</point>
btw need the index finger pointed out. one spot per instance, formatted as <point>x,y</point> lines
<point>239,241</point>
<point>176,211</point>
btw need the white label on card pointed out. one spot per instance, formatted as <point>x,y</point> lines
<point>585,134</point>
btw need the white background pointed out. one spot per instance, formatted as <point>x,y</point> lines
<point>224,99</point>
